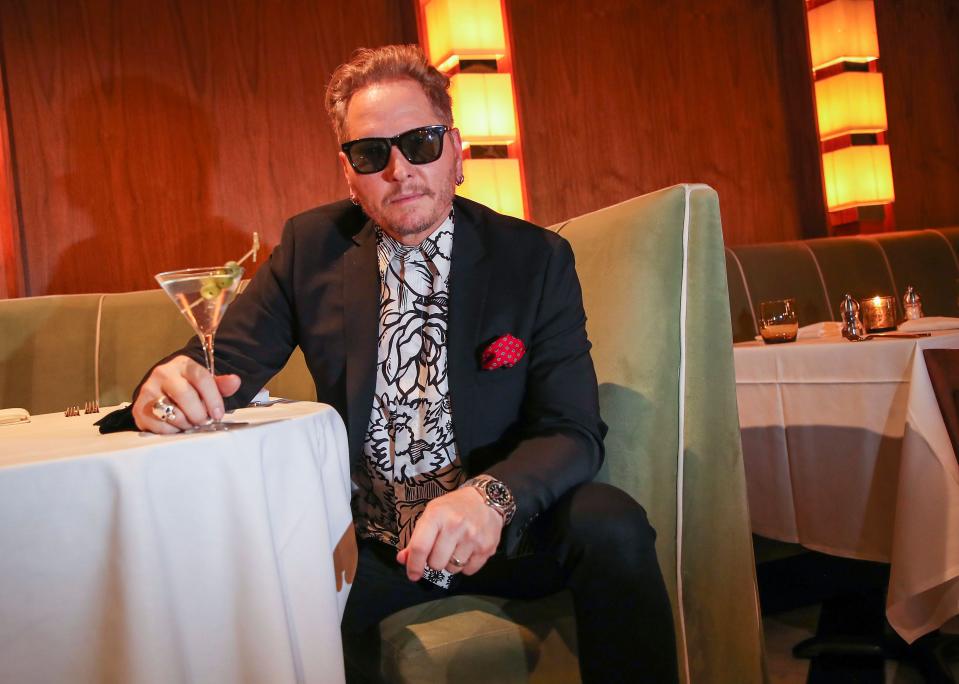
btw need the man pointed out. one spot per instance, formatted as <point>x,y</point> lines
<point>452,341</point>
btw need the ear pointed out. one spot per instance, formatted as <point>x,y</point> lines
<point>457,145</point>
<point>345,163</point>
<point>348,172</point>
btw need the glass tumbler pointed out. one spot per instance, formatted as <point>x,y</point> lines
<point>778,321</point>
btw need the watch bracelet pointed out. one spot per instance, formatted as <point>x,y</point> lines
<point>481,482</point>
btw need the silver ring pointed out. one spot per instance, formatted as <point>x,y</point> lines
<point>164,410</point>
<point>457,562</point>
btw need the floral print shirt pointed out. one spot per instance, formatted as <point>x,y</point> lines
<point>409,448</point>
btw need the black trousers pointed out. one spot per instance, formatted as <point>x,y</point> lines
<point>595,541</point>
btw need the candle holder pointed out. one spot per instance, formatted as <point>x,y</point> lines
<point>879,314</point>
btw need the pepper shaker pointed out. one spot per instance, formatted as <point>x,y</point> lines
<point>852,327</point>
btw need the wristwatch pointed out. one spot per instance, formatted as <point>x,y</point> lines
<point>497,495</point>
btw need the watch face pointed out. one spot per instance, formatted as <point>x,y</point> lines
<point>499,493</point>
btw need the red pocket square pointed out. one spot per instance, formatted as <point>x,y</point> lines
<point>505,351</point>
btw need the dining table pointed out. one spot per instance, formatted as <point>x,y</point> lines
<point>207,557</point>
<point>846,452</point>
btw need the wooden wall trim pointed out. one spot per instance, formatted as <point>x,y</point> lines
<point>11,257</point>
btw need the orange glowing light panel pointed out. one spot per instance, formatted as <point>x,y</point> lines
<point>858,176</point>
<point>843,31</point>
<point>495,183</point>
<point>850,102</point>
<point>483,108</point>
<point>464,29</point>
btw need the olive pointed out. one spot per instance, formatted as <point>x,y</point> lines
<point>210,289</point>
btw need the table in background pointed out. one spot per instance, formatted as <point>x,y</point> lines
<point>202,558</point>
<point>846,453</point>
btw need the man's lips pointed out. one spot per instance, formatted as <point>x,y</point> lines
<point>406,197</point>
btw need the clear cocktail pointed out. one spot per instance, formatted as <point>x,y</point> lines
<point>203,295</point>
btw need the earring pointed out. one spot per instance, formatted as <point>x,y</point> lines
<point>460,179</point>
<point>354,200</point>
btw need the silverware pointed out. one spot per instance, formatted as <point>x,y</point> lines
<point>91,406</point>
<point>884,336</point>
<point>72,411</point>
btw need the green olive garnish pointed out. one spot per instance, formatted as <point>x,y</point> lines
<point>210,289</point>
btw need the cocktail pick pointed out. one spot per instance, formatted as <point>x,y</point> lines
<point>253,250</point>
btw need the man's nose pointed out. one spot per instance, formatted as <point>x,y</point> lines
<point>398,167</point>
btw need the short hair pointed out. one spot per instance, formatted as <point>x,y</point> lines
<point>369,66</point>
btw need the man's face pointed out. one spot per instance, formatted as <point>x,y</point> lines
<point>408,201</point>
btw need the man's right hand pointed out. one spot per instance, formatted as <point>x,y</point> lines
<point>197,396</point>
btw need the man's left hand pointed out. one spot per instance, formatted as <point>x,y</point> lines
<point>456,525</point>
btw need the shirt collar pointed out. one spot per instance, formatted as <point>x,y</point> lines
<point>389,249</point>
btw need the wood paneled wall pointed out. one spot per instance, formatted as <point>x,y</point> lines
<point>153,134</point>
<point>919,58</point>
<point>621,97</point>
<point>158,134</point>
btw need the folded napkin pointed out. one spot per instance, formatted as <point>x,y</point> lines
<point>14,416</point>
<point>119,420</point>
<point>261,397</point>
<point>822,329</point>
<point>929,324</point>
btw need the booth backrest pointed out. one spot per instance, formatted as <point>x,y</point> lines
<point>69,349</point>
<point>654,287</point>
<point>817,273</point>
<point>47,351</point>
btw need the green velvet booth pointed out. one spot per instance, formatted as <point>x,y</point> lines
<point>69,349</point>
<point>818,272</point>
<point>654,278</point>
<point>654,283</point>
<point>48,348</point>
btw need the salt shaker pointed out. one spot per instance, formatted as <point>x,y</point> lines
<point>912,304</point>
<point>852,327</point>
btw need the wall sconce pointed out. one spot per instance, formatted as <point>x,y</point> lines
<point>463,29</point>
<point>843,31</point>
<point>495,183</point>
<point>860,175</point>
<point>850,102</point>
<point>483,108</point>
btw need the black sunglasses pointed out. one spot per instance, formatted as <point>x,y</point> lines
<point>419,146</point>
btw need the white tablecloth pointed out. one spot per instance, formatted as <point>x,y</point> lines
<point>846,452</point>
<point>191,558</point>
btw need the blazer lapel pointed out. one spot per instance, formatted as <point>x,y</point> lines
<point>361,313</point>
<point>469,277</point>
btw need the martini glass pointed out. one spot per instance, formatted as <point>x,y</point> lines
<point>203,295</point>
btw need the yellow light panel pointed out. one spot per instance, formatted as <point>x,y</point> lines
<point>495,183</point>
<point>850,102</point>
<point>858,176</point>
<point>483,108</point>
<point>464,29</point>
<point>843,31</point>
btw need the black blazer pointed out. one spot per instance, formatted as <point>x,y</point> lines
<point>535,426</point>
